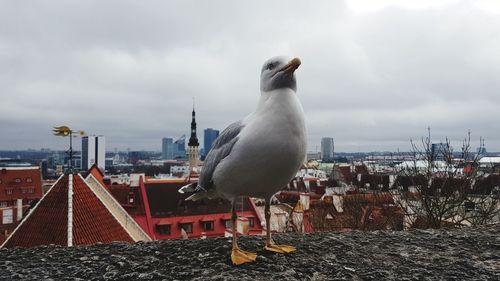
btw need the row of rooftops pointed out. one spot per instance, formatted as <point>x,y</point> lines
<point>158,211</point>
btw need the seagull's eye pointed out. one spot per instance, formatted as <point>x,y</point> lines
<point>270,66</point>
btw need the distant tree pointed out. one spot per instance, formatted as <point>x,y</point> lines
<point>439,192</point>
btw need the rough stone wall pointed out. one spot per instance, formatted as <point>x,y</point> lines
<point>458,254</point>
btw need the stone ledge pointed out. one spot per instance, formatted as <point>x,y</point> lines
<point>460,254</point>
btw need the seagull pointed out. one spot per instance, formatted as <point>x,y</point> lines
<point>260,154</point>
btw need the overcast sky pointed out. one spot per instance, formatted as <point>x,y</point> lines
<point>373,75</point>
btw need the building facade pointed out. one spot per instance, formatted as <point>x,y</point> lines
<point>19,183</point>
<point>209,137</point>
<point>163,213</point>
<point>167,149</point>
<point>19,188</point>
<point>93,152</point>
<point>327,148</point>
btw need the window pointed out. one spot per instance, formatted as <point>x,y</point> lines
<point>228,223</point>
<point>164,229</point>
<point>131,196</point>
<point>207,225</point>
<point>3,203</point>
<point>188,227</point>
<point>30,190</point>
<point>8,216</point>
<point>251,222</point>
<point>9,190</point>
<point>29,180</point>
<point>17,180</point>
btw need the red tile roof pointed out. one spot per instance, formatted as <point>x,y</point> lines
<point>161,204</point>
<point>48,222</point>
<point>92,221</point>
<point>97,173</point>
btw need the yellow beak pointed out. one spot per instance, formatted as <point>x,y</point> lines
<point>291,66</point>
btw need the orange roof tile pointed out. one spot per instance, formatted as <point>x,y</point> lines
<point>48,222</point>
<point>97,173</point>
<point>46,225</point>
<point>92,221</point>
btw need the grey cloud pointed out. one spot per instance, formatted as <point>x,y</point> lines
<point>129,69</point>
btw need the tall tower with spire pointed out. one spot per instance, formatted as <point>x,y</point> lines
<point>193,144</point>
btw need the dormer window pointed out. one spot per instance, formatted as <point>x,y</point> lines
<point>251,222</point>
<point>188,227</point>
<point>207,225</point>
<point>29,180</point>
<point>164,229</point>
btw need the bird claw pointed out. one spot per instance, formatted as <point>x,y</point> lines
<point>239,256</point>
<point>282,249</point>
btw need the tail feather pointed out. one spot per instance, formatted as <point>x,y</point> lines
<point>201,194</point>
<point>198,192</point>
<point>196,196</point>
<point>188,188</point>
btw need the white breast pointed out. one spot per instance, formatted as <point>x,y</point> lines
<point>269,150</point>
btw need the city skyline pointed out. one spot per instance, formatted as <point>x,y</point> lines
<point>374,74</point>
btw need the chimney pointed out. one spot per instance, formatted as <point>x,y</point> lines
<point>19,209</point>
<point>304,200</point>
<point>392,179</point>
<point>242,225</point>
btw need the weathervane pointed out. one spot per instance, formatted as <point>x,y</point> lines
<point>65,131</point>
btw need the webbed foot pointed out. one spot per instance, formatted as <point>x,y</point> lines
<point>280,248</point>
<point>238,256</point>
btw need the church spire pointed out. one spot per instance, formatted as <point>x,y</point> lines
<point>193,140</point>
<point>193,145</point>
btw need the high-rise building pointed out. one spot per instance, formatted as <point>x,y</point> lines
<point>180,148</point>
<point>93,152</point>
<point>167,149</point>
<point>209,136</point>
<point>327,148</point>
<point>193,143</point>
<point>439,151</point>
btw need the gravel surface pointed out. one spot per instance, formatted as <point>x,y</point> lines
<point>459,254</point>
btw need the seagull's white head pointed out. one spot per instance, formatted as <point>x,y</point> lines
<point>278,73</point>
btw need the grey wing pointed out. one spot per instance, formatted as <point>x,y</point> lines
<point>220,149</point>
